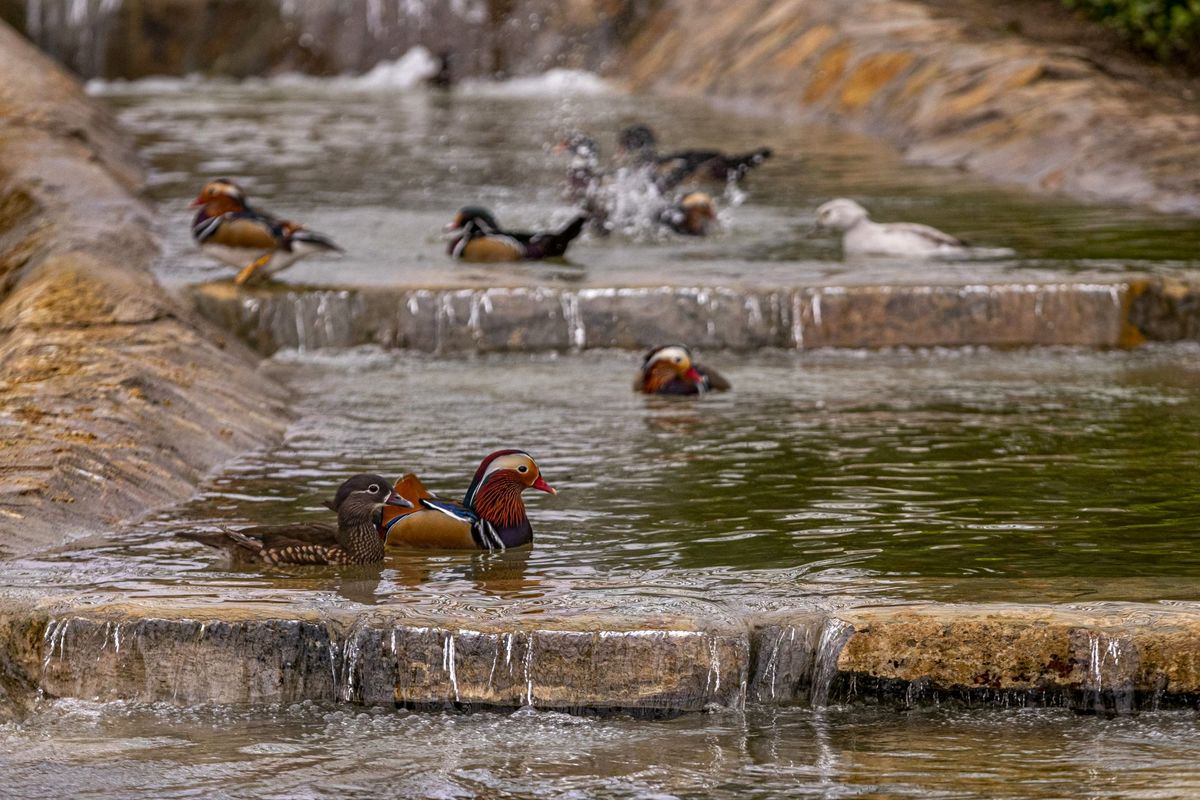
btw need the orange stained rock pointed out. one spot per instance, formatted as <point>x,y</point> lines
<point>828,73</point>
<point>808,43</point>
<point>872,74</point>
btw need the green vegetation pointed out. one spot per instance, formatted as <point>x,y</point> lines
<point>1168,29</point>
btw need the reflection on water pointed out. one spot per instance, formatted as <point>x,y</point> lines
<point>382,171</point>
<point>309,751</point>
<point>850,476</point>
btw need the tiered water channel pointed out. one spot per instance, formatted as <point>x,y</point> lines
<point>826,479</point>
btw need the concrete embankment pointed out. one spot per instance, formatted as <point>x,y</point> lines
<point>115,398</point>
<point>1115,658</point>
<point>453,320</point>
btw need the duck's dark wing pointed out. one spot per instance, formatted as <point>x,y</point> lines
<point>552,245</point>
<point>715,380</point>
<point>266,536</point>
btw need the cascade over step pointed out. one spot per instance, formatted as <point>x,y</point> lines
<point>1113,658</point>
<point>446,320</point>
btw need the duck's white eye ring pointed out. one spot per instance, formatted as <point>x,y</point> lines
<point>522,468</point>
<point>373,488</point>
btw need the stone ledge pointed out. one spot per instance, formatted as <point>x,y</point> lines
<point>1117,314</point>
<point>1115,658</point>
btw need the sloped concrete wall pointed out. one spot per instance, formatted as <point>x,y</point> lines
<point>1006,109</point>
<point>115,398</point>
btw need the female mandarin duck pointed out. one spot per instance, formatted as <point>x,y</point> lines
<point>490,517</point>
<point>476,236</point>
<point>356,539</point>
<point>671,370</point>
<point>227,229</point>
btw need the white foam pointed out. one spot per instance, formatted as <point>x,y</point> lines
<point>551,83</point>
<point>409,71</point>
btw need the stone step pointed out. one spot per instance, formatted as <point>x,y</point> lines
<point>1110,658</point>
<point>1118,314</point>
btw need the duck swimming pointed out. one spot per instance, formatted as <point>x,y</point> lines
<point>640,145</point>
<point>356,539</point>
<point>670,369</point>
<point>490,517</point>
<point>229,230</point>
<point>861,236</point>
<point>475,235</point>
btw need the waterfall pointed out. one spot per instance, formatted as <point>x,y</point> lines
<point>76,32</point>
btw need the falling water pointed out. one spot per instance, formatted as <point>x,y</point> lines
<point>834,636</point>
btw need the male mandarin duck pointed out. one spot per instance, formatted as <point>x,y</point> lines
<point>490,517</point>
<point>356,539</point>
<point>476,236</point>
<point>694,214</point>
<point>862,236</point>
<point>228,229</point>
<point>639,143</point>
<point>671,370</point>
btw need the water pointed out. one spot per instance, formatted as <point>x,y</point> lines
<point>832,477</point>
<point>824,479</point>
<point>310,751</point>
<point>383,167</point>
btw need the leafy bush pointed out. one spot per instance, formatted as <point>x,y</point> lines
<point>1168,29</point>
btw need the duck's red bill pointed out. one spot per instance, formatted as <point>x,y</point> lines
<point>541,485</point>
<point>694,376</point>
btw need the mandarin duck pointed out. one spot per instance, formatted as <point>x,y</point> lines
<point>640,145</point>
<point>694,214</point>
<point>356,539</point>
<point>476,236</point>
<point>229,230</point>
<point>863,237</point>
<point>490,517</point>
<point>670,369</point>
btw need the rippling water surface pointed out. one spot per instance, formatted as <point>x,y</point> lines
<point>80,749</point>
<point>383,169</point>
<point>1061,475</point>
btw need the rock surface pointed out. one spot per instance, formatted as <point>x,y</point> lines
<point>115,398</point>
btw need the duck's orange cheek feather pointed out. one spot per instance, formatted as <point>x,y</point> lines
<point>486,249</point>
<point>431,529</point>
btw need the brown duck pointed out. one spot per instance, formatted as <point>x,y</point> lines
<point>356,539</point>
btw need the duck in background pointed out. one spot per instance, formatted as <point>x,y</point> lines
<point>490,517</point>
<point>356,539</point>
<point>694,214</point>
<point>639,145</point>
<point>670,369</point>
<point>229,230</point>
<point>861,236</point>
<point>476,236</point>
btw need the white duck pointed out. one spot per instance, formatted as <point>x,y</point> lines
<point>861,236</point>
